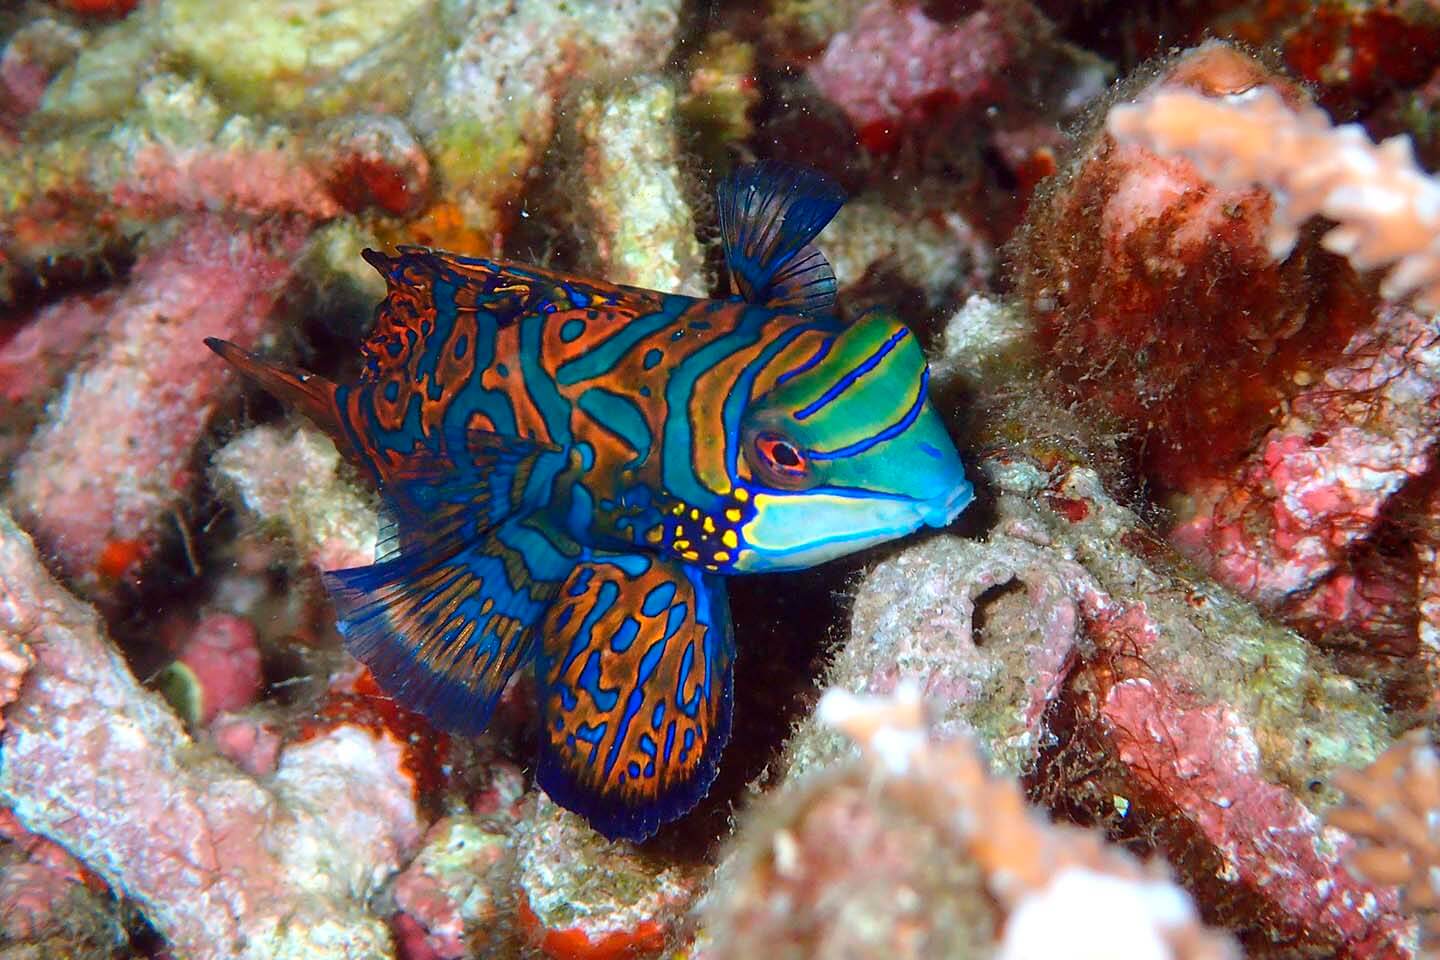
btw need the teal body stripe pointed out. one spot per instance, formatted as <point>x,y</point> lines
<point>604,357</point>
<point>620,416</point>
<point>677,468</point>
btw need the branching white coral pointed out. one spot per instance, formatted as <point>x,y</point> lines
<point>1387,208</point>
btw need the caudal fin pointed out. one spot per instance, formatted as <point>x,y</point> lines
<point>309,393</point>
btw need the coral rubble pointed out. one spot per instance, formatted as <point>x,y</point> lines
<point>222,865</point>
<point>918,852</point>
<point>1279,404</point>
<point>113,457</point>
<point>1130,696</point>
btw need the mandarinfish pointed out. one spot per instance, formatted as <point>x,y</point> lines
<point>572,468</point>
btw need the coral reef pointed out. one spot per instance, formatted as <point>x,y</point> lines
<point>1384,205</point>
<point>909,853</point>
<point>1280,406</point>
<point>939,255</point>
<point>1130,696</point>
<point>222,865</point>
<point>895,69</point>
<point>630,154</point>
<point>448,890</point>
<point>112,459</point>
<point>1361,56</point>
<point>218,669</point>
<point>490,108</point>
<point>291,480</point>
<point>1185,330</point>
<point>1133,264</point>
<point>48,901</point>
<point>581,896</point>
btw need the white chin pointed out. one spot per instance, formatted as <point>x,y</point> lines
<point>810,529</point>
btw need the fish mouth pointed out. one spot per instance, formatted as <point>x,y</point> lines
<point>941,511</point>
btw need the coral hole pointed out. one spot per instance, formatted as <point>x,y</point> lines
<point>999,611</point>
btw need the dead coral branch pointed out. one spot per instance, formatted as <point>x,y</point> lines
<point>1387,208</point>
<point>223,865</point>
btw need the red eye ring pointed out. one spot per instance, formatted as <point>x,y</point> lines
<point>780,456</point>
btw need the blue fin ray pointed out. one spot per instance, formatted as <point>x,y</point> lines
<point>769,214</point>
<point>805,284</point>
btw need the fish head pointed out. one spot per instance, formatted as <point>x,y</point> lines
<point>847,452</point>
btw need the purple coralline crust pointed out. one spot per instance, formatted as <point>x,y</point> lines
<point>222,865</point>
<point>894,62</point>
<point>1317,483</point>
<point>113,454</point>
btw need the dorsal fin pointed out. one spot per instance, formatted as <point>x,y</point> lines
<point>769,214</point>
<point>503,289</point>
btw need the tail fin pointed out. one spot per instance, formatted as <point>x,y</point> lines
<point>309,393</point>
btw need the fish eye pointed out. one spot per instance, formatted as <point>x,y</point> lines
<point>779,459</point>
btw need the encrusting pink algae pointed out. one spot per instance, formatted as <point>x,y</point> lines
<point>1167,689</point>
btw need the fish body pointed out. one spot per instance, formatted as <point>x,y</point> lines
<point>572,468</point>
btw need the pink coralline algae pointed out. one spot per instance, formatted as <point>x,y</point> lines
<point>449,894</point>
<point>1263,836</point>
<point>917,852</point>
<point>251,743</point>
<point>1281,405</point>
<point>1318,481</point>
<point>223,866</point>
<point>1198,595</point>
<point>1168,712</point>
<point>113,457</point>
<point>36,359</point>
<point>28,63</point>
<point>38,885</point>
<point>217,669</point>
<point>895,63</point>
<point>116,188</point>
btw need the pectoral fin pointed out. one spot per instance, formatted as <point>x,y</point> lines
<point>635,675</point>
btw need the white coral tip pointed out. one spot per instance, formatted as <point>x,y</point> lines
<point>889,729</point>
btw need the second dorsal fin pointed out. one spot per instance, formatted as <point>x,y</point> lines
<point>769,214</point>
